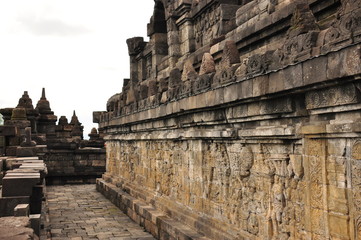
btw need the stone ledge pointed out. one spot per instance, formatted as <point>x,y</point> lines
<point>332,128</point>
<point>153,220</point>
<point>210,227</point>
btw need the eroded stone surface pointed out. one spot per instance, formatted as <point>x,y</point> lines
<point>17,228</point>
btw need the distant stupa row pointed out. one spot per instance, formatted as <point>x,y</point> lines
<point>45,130</point>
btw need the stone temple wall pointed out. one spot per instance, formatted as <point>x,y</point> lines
<point>241,120</point>
<point>82,165</point>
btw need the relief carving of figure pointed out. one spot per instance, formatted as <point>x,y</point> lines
<point>276,207</point>
<point>253,224</point>
<point>241,163</point>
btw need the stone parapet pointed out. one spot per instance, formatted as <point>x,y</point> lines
<point>83,165</point>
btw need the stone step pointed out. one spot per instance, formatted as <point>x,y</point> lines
<point>155,221</point>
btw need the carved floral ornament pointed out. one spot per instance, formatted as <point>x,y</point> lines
<point>356,182</point>
<point>356,151</point>
<point>304,34</point>
<point>333,96</point>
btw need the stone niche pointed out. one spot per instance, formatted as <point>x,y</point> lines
<point>247,127</point>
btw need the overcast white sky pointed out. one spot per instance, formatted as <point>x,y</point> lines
<point>76,49</point>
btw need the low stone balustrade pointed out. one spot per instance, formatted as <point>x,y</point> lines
<point>22,195</point>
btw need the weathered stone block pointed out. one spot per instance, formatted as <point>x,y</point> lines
<point>143,91</point>
<point>24,183</point>
<point>240,111</point>
<point>293,77</point>
<point>35,220</point>
<point>339,226</point>
<point>245,89</point>
<point>25,151</point>
<point>8,204</point>
<point>337,200</point>
<point>246,12</point>
<point>283,105</point>
<point>345,63</point>
<point>314,70</point>
<point>260,85</point>
<point>151,227</point>
<point>8,130</point>
<point>21,210</point>
<point>313,129</point>
<point>277,82</point>
<point>253,109</point>
<point>231,93</point>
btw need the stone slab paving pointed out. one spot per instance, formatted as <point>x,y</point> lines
<point>79,212</point>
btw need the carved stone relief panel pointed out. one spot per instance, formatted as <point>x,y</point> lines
<point>346,27</point>
<point>206,26</point>
<point>264,186</point>
<point>259,188</point>
<point>356,184</point>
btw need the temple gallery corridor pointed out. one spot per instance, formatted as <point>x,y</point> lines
<point>79,212</point>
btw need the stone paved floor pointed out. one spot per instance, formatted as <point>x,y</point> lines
<point>79,212</point>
